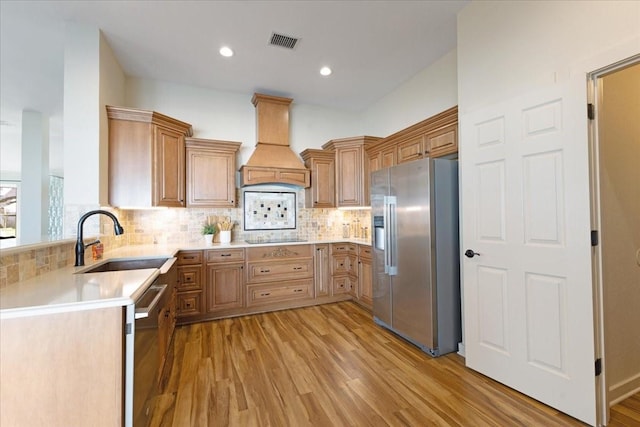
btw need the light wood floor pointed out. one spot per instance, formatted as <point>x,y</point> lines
<point>330,365</point>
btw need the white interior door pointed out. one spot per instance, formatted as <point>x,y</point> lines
<point>529,324</point>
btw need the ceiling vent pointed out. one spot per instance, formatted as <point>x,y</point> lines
<point>283,41</point>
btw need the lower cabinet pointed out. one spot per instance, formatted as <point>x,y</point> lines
<point>277,274</point>
<point>190,285</point>
<point>344,268</point>
<point>322,270</point>
<point>365,276</point>
<point>225,279</point>
<point>216,283</point>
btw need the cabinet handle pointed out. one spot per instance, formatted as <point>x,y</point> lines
<point>265,271</point>
<point>225,254</point>
<point>297,290</point>
<point>297,268</point>
<point>189,257</point>
<point>265,294</point>
<point>231,201</point>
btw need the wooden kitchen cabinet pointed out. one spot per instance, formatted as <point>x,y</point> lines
<point>146,158</point>
<point>225,279</point>
<point>365,276</point>
<point>381,156</point>
<point>322,270</point>
<point>322,192</point>
<point>211,172</point>
<point>412,148</point>
<point>344,268</point>
<point>435,136</point>
<point>442,141</point>
<point>352,170</point>
<point>190,293</point>
<point>277,274</point>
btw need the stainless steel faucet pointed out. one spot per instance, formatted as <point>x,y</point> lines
<point>80,246</point>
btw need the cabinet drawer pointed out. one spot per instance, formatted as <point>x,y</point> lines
<point>227,255</point>
<point>275,253</point>
<point>189,278</point>
<point>266,294</point>
<point>189,257</point>
<point>349,248</point>
<point>364,251</point>
<point>280,270</point>
<point>189,303</point>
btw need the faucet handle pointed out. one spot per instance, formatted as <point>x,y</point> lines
<point>92,243</point>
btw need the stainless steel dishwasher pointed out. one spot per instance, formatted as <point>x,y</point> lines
<point>146,355</point>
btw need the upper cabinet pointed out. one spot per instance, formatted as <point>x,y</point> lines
<point>211,173</point>
<point>146,158</point>
<point>352,170</point>
<point>433,137</point>
<point>321,163</point>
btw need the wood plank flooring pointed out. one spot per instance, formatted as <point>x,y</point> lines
<point>330,365</point>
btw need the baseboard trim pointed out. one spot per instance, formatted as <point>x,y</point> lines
<point>624,389</point>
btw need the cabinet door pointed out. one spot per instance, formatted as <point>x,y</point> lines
<point>224,286</point>
<point>321,271</point>
<point>375,161</point>
<point>169,164</point>
<point>210,178</point>
<point>389,157</point>
<point>189,303</point>
<point>442,141</point>
<point>411,149</point>
<point>322,183</point>
<point>365,281</point>
<point>349,176</point>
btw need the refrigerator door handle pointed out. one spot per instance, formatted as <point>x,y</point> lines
<point>391,266</point>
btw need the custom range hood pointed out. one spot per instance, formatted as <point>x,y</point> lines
<point>273,161</point>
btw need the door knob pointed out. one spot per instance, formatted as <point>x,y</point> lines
<point>470,254</point>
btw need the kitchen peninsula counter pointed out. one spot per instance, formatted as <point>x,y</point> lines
<point>65,290</point>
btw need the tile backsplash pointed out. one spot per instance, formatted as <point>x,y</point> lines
<point>168,226</point>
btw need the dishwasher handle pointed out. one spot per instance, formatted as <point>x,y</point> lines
<point>155,291</point>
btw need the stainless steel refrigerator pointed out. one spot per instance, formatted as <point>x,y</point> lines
<point>416,268</point>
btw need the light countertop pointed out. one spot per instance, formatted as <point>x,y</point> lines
<point>65,289</point>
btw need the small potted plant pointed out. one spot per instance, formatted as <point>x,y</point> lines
<point>208,230</point>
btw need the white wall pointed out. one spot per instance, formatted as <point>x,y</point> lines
<point>506,47</point>
<point>429,92</point>
<point>112,84</point>
<point>231,116</point>
<point>81,119</point>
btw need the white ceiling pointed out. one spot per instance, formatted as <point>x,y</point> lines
<point>372,46</point>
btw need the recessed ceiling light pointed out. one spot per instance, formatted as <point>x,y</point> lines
<point>325,71</point>
<point>226,51</point>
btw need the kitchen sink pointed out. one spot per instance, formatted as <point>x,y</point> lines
<point>126,264</point>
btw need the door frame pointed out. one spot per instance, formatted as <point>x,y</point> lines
<point>594,94</point>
